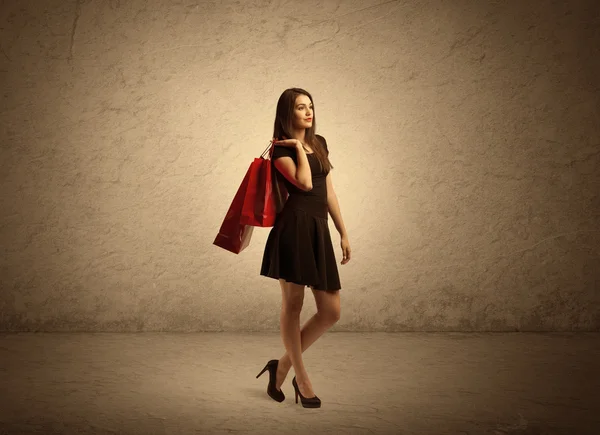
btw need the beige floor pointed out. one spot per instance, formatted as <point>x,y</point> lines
<point>369,383</point>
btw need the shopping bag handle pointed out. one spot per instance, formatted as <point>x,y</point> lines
<point>270,145</point>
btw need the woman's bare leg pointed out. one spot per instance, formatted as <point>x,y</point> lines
<point>328,313</point>
<point>292,301</point>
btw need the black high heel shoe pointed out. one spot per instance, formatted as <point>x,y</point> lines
<point>273,392</point>
<point>310,402</point>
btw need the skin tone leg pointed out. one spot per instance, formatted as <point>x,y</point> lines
<point>296,341</point>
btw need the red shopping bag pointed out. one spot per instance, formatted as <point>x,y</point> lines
<point>256,203</point>
<point>259,209</point>
<point>233,236</point>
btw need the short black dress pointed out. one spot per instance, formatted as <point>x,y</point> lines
<point>299,247</point>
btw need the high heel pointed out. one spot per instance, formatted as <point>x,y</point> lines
<point>310,402</point>
<point>273,392</point>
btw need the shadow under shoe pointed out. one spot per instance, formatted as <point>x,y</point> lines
<point>272,391</point>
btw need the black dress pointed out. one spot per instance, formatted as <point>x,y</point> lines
<point>299,247</point>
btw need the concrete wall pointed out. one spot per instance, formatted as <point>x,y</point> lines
<point>465,137</point>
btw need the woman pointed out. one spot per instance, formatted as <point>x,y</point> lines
<point>298,251</point>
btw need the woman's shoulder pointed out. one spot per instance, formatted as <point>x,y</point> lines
<point>283,151</point>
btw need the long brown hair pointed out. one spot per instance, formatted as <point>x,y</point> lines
<point>284,124</point>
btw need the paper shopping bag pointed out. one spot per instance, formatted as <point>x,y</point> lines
<point>260,208</point>
<point>233,235</point>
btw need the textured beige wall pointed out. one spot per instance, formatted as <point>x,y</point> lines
<point>465,138</point>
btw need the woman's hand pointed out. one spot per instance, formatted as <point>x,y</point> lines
<point>345,250</point>
<point>290,143</point>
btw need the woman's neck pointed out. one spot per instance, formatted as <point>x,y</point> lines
<point>300,135</point>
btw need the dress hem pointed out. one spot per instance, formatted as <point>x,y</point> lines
<point>301,283</point>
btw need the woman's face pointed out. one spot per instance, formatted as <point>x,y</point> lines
<point>303,112</point>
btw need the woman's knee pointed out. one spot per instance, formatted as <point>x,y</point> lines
<point>328,305</point>
<point>331,315</point>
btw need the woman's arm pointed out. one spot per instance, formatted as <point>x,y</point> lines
<point>303,172</point>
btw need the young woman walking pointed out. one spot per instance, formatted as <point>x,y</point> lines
<point>299,251</point>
